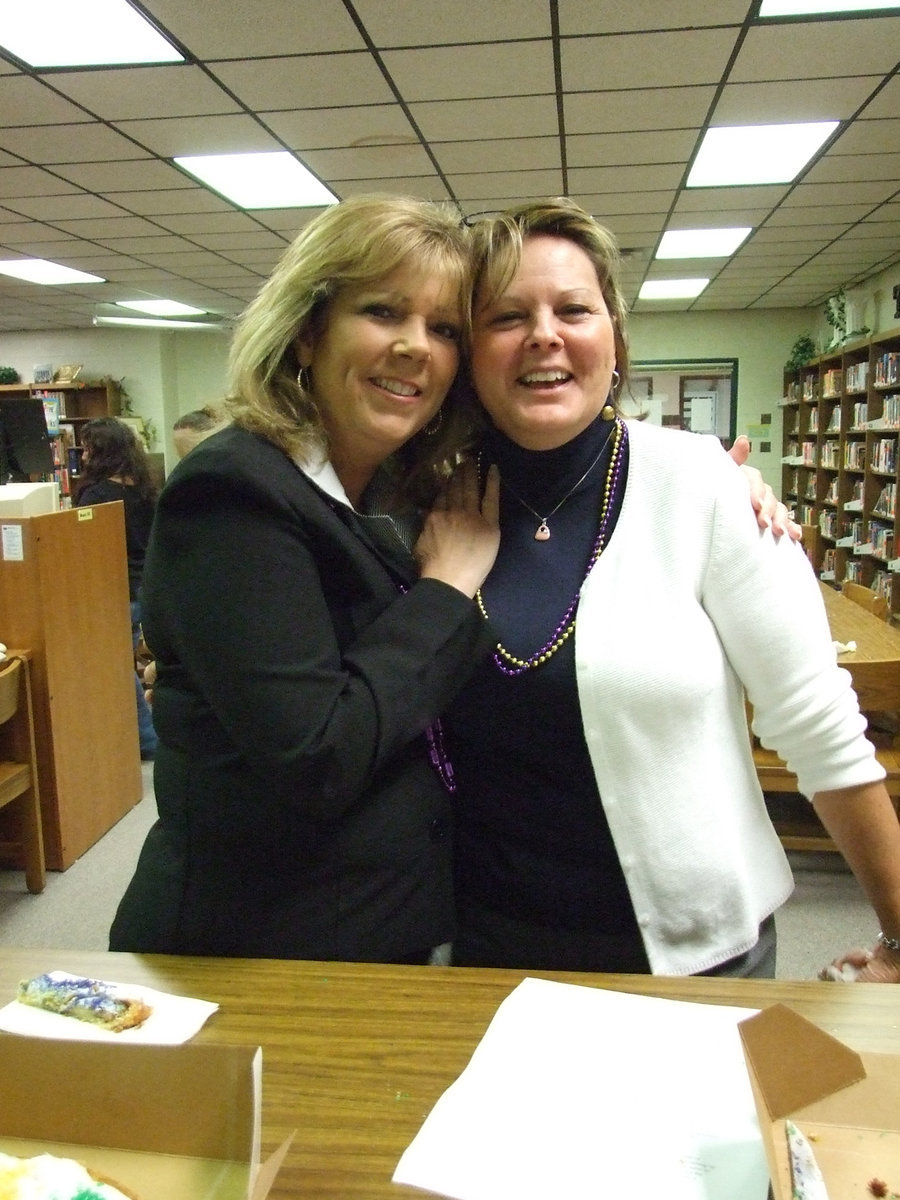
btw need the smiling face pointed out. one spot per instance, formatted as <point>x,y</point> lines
<point>382,366</point>
<point>543,351</point>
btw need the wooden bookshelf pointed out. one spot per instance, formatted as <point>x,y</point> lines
<point>78,403</point>
<point>840,461</point>
<point>64,596</point>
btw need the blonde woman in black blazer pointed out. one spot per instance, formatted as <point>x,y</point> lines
<point>306,644</point>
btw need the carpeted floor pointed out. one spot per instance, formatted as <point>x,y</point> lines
<point>826,914</point>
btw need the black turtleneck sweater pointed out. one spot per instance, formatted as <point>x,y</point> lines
<point>532,840</point>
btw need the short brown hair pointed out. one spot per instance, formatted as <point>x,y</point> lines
<point>497,252</point>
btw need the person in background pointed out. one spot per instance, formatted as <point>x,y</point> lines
<point>114,466</point>
<point>307,636</point>
<point>192,427</point>
<point>609,816</point>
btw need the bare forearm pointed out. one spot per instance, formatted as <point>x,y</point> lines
<point>863,825</point>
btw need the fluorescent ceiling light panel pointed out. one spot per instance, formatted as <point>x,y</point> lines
<point>735,155</point>
<point>792,8</point>
<point>158,323</point>
<point>273,180</point>
<point>701,243</point>
<point>672,289</point>
<point>81,33</point>
<point>162,308</point>
<point>40,270</point>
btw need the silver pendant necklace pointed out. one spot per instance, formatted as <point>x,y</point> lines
<point>542,533</point>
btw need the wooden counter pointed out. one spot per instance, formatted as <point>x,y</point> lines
<point>355,1055</point>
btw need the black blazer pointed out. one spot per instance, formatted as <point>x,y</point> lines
<point>299,814</point>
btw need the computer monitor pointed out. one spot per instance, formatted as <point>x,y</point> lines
<point>25,449</point>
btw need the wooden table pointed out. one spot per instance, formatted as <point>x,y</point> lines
<point>355,1055</point>
<point>875,664</point>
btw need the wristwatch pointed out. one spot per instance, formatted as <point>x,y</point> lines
<point>891,943</point>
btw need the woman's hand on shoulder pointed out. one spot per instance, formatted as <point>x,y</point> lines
<point>461,536</point>
<point>770,512</point>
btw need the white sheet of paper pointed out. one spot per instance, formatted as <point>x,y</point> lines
<point>579,1092</point>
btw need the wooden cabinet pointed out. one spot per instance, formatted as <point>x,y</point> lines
<point>77,403</point>
<point>840,461</point>
<point>64,596</point>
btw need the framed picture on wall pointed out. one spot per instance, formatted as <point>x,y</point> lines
<point>67,373</point>
<point>43,373</point>
<point>136,424</point>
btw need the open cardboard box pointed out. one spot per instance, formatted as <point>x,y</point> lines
<point>846,1104</point>
<point>167,1122</point>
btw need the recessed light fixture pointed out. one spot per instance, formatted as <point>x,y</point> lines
<point>671,289</point>
<point>158,323</point>
<point>162,308</point>
<point>269,180</point>
<point>41,270</point>
<point>701,243</point>
<point>794,8</point>
<point>735,155</point>
<point>63,33</point>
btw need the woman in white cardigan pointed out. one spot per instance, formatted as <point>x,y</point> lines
<point>609,813</point>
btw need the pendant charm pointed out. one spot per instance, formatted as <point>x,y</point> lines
<point>542,533</point>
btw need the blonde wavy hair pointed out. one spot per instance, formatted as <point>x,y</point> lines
<point>353,244</point>
<point>497,253</point>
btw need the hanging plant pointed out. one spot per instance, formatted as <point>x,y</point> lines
<point>836,315</point>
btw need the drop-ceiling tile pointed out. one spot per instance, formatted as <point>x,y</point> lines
<point>465,72</point>
<point>798,50</point>
<point>107,227</point>
<point>623,110</point>
<point>163,202</point>
<point>792,100</point>
<point>326,128</point>
<point>608,16</point>
<point>428,187</point>
<point>368,162</point>
<point>16,230</point>
<point>655,59</point>
<point>830,216</point>
<point>849,168</point>
<point>488,187</point>
<point>308,81</point>
<point>145,92</point>
<point>200,135</point>
<point>248,28</point>
<point>243,241</point>
<point>412,23</point>
<point>732,199</point>
<point>868,192</point>
<point>508,154</point>
<point>868,137</point>
<point>496,117</point>
<point>887,102</point>
<point>65,207</point>
<point>123,176</point>
<point>207,223</point>
<point>624,202</point>
<point>652,177</point>
<point>669,146</point>
<point>28,101</point>
<point>143,247</point>
<point>30,181</point>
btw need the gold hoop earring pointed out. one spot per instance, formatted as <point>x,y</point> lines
<point>304,380</point>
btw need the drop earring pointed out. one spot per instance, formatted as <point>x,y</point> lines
<point>608,411</point>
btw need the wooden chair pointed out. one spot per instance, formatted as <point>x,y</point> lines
<point>18,768</point>
<point>871,601</point>
<point>812,544</point>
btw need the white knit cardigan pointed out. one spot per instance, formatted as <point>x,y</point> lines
<point>690,604</point>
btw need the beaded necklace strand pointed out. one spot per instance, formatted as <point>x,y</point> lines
<point>508,663</point>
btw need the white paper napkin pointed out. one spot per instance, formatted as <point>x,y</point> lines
<point>174,1019</point>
